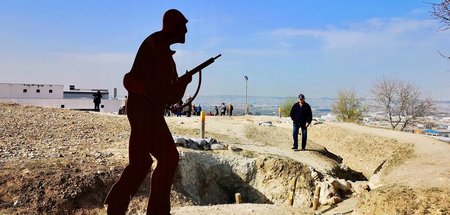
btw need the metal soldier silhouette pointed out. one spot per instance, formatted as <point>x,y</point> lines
<point>152,84</point>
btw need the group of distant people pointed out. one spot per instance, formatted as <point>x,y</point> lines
<point>183,109</point>
<point>188,109</point>
<point>225,110</point>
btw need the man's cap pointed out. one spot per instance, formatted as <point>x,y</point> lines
<point>172,18</point>
<point>301,96</point>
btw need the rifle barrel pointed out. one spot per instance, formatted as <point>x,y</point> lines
<point>203,65</point>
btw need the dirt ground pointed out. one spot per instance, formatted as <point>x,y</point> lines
<point>50,157</point>
<point>414,178</point>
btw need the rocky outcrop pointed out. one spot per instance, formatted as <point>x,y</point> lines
<point>202,144</point>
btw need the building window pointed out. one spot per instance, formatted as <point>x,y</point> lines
<point>50,91</point>
<point>38,90</point>
<point>25,90</point>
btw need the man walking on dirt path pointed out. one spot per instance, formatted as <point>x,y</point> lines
<point>301,116</point>
<point>152,84</point>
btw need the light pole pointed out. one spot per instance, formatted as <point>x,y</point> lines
<point>246,105</point>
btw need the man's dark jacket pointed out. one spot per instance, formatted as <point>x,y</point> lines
<point>301,114</point>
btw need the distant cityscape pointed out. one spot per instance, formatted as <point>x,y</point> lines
<point>260,105</point>
<point>436,125</point>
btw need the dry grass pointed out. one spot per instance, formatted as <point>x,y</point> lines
<point>404,200</point>
<point>400,156</point>
<point>355,147</point>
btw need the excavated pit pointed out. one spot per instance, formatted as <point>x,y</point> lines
<point>207,177</point>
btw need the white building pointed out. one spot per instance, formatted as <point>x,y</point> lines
<point>53,95</point>
<point>31,91</point>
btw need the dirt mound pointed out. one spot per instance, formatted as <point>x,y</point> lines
<point>55,188</point>
<point>362,152</point>
<point>404,200</point>
<point>61,161</point>
<point>57,161</point>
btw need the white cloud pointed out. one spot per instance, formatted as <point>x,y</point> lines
<point>367,49</point>
<point>369,33</point>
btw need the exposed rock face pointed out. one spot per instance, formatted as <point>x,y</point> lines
<point>360,187</point>
<point>334,190</point>
<point>265,123</point>
<point>203,144</point>
<point>375,182</point>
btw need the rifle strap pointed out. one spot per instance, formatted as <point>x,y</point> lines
<point>196,92</point>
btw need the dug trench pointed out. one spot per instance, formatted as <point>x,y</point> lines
<point>203,178</point>
<point>214,178</point>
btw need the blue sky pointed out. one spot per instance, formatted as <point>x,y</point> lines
<point>284,47</point>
